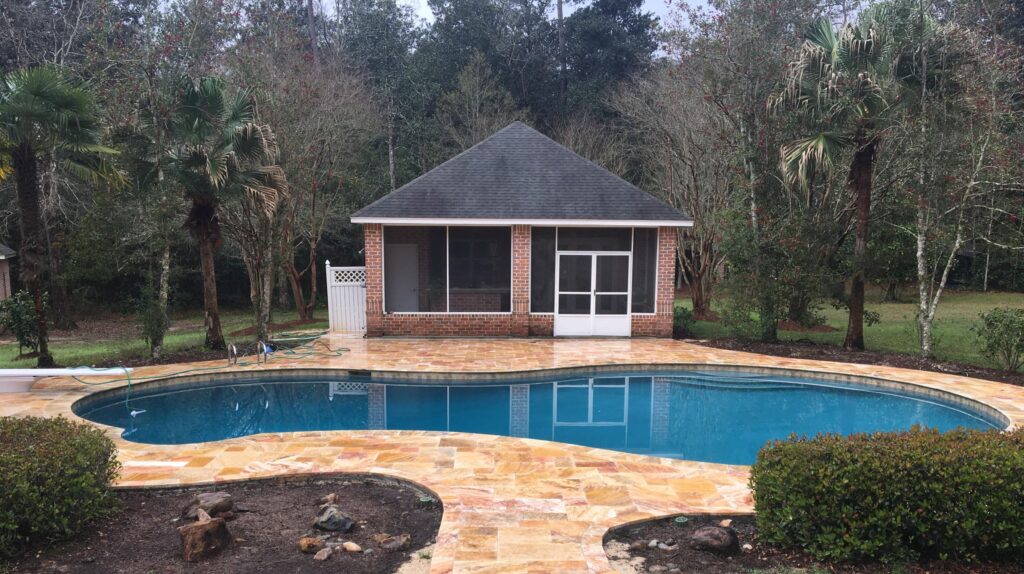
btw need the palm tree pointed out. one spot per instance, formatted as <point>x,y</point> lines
<point>220,150</point>
<point>42,112</point>
<point>851,83</point>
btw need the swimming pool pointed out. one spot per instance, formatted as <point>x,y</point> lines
<point>722,417</point>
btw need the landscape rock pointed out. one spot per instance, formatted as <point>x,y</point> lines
<point>726,523</point>
<point>331,498</point>
<point>330,517</point>
<point>213,503</point>
<point>350,546</point>
<point>747,548</point>
<point>323,554</point>
<point>310,544</point>
<point>715,539</point>
<point>395,542</point>
<point>203,539</point>
<point>653,543</point>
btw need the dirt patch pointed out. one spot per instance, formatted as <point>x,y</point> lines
<point>630,552</point>
<point>190,355</point>
<point>795,327</point>
<point>816,351</point>
<point>144,537</point>
<point>273,327</point>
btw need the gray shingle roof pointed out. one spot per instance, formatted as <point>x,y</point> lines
<point>520,174</point>
<point>6,252</point>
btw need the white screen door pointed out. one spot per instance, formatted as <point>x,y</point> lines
<point>593,294</point>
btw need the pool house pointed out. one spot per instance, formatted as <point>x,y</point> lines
<point>519,236</point>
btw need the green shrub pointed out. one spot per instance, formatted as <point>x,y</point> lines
<point>682,323</point>
<point>54,479</point>
<point>18,315</point>
<point>1002,337</point>
<point>894,496</point>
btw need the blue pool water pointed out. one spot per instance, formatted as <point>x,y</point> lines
<point>715,417</point>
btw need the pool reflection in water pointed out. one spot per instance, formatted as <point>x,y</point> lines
<point>720,417</point>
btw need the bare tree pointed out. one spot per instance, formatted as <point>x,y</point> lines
<point>685,144</point>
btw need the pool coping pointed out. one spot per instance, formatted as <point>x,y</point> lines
<point>510,504</point>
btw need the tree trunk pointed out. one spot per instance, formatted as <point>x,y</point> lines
<point>282,289</point>
<point>60,304</point>
<point>56,238</point>
<point>156,345</point>
<point>33,265</point>
<point>206,230</point>
<point>892,292</point>
<point>861,172</point>
<point>391,148</point>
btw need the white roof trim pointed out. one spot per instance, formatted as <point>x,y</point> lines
<point>534,222</point>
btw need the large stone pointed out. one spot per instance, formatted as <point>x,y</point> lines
<point>203,539</point>
<point>213,503</point>
<point>310,544</point>
<point>331,518</point>
<point>715,539</point>
<point>323,554</point>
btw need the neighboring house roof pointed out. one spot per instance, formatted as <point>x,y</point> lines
<point>518,175</point>
<point>6,252</point>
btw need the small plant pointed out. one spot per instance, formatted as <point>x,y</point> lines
<point>682,323</point>
<point>1002,337</point>
<point>18,315</point>
<point>154,321</point>
<point>894,497</point>
<point>55,478</point>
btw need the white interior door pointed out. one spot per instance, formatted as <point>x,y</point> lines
<point>401,278</point>
<point>592,295</point>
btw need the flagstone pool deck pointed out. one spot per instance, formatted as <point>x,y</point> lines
<point>510,504</point>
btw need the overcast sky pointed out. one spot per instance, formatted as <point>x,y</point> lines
<point>660,8</point>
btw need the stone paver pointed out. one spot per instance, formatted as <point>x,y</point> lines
<point>510,504</point>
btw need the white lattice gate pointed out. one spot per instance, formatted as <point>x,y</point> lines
<point>346,298</point>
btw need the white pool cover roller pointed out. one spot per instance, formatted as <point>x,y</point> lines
<point>21,380</point>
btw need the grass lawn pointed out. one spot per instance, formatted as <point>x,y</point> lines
<point>105,338</point>
<point>897,331</point>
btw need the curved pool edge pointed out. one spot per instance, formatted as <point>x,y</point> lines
<point>509,504</point>
<point>911,389</point>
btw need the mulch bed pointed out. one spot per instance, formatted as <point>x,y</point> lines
<point>816,351</point>
<point>144,537</point>
<point>683,559</point>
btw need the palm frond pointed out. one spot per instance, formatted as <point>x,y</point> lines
<point>817,154</point>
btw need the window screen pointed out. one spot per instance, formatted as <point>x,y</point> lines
<point>593,238</point>
<point>542,270</point>
<point>415,270</point>
<point>645,265</point>
<point>480,269</point>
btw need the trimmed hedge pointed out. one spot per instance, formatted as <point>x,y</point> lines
<point>894,496</point>
<point>54,479</point>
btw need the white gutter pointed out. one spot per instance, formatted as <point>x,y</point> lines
<point>21,380</point>
<point>533,222</point>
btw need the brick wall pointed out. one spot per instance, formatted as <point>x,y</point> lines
<point>660,324</point>
<point>520,323</point>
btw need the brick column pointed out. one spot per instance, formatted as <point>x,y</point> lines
<point>373,252</point>
<point>665,305</point>
<point>520,326</point>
